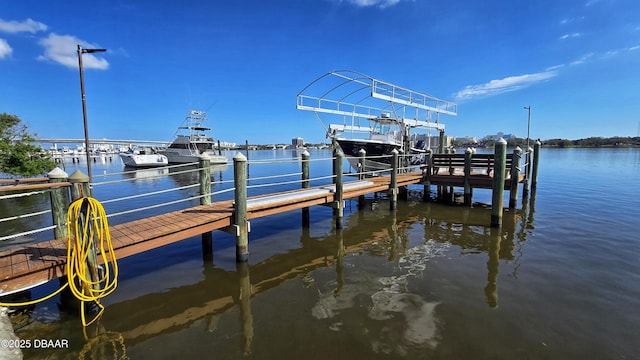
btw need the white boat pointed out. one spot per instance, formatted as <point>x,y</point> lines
<point>143,159</point>
<point>191,141</point>
<point>364,113</point>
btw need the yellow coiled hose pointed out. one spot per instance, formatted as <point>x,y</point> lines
<point>87,228</point>
<point>93,234</point>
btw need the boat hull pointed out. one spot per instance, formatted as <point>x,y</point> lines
<point>379,154</point>
<point>176,156</point>
<point>144,160</point>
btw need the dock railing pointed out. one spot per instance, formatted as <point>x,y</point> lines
<point>191,188</point>
<point>468,170</point>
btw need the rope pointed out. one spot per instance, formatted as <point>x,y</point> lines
<point>88,228</point>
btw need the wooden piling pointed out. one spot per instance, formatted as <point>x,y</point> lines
<point>426,192</point>
<point>499,170</point>
<point>207,247</point>
<point>514,177</point>
<point>468,154</point>
<point>205,179</point>
<point>79,185</point>
<point>527,173</point>
<point>536,160</point>
<point>59,203</point>
<point>219,148</point>
<point>241,223</point>
<point>393,189</point>
<point>362,161</point>
<point>338,209</point>
<point>80,189</point>
<point>305,185</point>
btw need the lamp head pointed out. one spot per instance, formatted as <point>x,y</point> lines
<point>89,51</point>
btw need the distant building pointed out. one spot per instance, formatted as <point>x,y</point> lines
<point>297,143</point>
<point>466,140</point>
<point>500,135</point>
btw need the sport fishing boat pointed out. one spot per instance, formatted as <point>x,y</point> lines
<point>191,141</point>
<point>142,159</point>
<point>362,112</point>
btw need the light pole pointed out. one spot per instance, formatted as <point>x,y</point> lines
<point>84,104</point>
<point>527,169</point>
<point>528,108</point>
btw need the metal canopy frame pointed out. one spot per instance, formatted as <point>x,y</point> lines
<point>355,96</point>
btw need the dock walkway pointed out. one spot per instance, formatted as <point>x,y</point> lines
<point>25,267</point>
<point>34,264</point>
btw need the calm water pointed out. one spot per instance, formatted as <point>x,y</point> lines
<point>560,280</point>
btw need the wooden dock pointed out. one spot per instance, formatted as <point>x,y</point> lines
<point>25,267</point>
<point>28,266</point>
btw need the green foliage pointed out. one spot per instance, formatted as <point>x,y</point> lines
<point>18,156</point>
<point>616,141</point>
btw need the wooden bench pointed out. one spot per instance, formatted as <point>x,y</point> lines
<point>449,169</point>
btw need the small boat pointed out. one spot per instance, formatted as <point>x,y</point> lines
<point>143,159</point>
<point>375,116</point>
<point>191,141</point>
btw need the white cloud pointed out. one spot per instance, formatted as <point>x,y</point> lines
<point>554,67</point>
<point>582,59</point>
<point>566,36</point>
<point>63,49</point>
<point>22,26</point>
<point>5,49</point>
<point>367,3</point>
<point>499,86</point>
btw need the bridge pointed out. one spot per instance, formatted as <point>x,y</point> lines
<point>103,141</point>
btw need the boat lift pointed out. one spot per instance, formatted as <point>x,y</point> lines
<point>363,102</point>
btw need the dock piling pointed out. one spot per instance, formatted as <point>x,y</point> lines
<point>79,185</point>
<point>338,209</point>
<point>468,154</point>
<point>205,179</point>
<point>305,185</point>
<point>514,177</point>
<point>536,160</point>
<point>426,194</point>
<point>59,202</point>
<point>499,169</point>
<point>362,161</point>
<point>205,199</point>
<point>241,223</point>
<point>393,188</point>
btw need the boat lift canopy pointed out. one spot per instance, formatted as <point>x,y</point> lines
<point>357,97</point>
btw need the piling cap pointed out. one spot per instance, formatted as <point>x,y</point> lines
<point>78,177</point>
<point>362,151</point>
<point>57,173</point>
<point>469,150</point>
<point>239,157</point>
<point>205,156</point>
<point>501,141</point>
<point>395,151</point>
<point>306,153</point>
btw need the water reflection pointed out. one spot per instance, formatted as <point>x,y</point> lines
<point>397,319</point>
<point>188,175</point>
<point>151,174</point>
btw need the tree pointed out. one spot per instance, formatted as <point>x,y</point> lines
<point>18,155</point>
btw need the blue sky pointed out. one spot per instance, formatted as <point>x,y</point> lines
<point>575,62</point>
